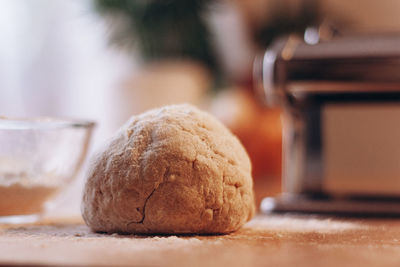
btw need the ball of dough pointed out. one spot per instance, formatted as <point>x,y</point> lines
<point>170,170</point>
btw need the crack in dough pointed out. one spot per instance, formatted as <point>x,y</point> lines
<point>144,208</point>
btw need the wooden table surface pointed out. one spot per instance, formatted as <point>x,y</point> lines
<point>274,240</point>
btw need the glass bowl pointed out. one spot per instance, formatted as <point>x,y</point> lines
<point>38,158</point>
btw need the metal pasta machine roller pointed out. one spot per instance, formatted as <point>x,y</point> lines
<point>341,117</point>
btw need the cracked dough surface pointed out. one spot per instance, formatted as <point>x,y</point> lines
<point>170,170</point>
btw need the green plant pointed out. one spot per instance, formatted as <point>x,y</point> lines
<point>163,29</point>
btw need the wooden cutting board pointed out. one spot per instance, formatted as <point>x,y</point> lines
<point>279,240</point>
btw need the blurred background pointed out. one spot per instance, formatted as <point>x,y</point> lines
<point>105,60</point>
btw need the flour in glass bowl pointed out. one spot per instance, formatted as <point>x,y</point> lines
<point>22,192</point>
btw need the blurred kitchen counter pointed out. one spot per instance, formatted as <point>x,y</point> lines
<point>276,240</point>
